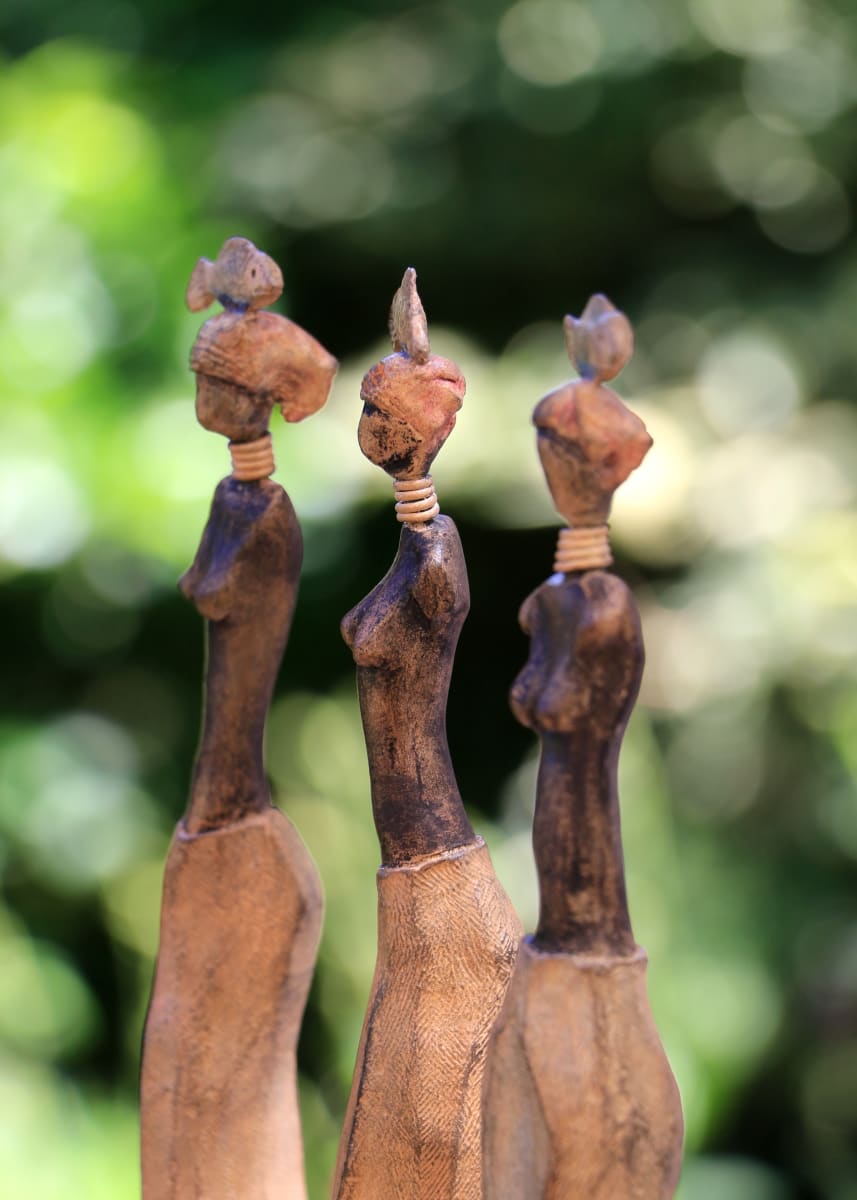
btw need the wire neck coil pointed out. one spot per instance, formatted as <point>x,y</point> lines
<point>583,548</point>
<point>252,460</point>
<point>416,501</point>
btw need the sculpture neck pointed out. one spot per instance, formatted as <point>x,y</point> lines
<point>578,846</point>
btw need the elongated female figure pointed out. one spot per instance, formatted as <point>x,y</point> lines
<point>447,934</point>
<point>242,903</point>
<point>580,1102</point>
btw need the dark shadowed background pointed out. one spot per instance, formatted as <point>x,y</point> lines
<point>696,160</point>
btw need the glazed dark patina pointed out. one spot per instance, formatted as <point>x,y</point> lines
<point>244,582</point>
<point>577,691</point>
<point>403,638</point>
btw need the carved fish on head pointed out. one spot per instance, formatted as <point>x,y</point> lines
<point>241,277</point>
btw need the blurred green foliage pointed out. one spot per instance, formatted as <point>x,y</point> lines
<point>693,158</point>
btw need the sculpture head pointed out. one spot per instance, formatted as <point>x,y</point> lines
<point>588,441</point>
<point>411,397</point>
<point>408,412</point>
<point>247,361</point>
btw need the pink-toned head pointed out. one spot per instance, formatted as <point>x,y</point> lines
<point>411,397</point>
<point>588,441</point>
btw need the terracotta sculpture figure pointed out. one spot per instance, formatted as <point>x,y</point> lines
<point>447,934</point>
<point>242,902</point>
<point>580,1102</point>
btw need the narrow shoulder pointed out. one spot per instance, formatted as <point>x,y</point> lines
<point>434,545</point>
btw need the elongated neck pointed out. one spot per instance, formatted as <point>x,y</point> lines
<point>416,804</point>
<point>578,846</point>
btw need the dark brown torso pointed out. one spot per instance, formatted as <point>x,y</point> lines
<point>577,691</point>
<point>244,581</point>
<point>403,638</point>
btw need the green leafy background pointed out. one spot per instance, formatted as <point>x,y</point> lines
<point>696,161</point>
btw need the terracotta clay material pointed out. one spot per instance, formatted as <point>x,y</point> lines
<point>240,924</point>
<point>242,902</point>
<point>585,1105</point>
<point>247,361</point>
<point>447,934</point>
<point>579,1101</point>
<point>447,940</point>
<point>588,441</point>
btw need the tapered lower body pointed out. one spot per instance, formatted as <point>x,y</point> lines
<point>580,1102</point>
<point>447,939</point>
<point>240,925</point>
